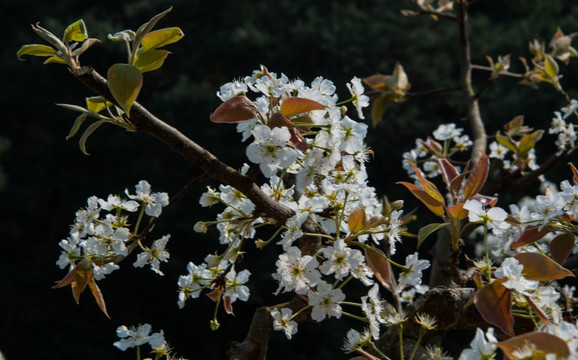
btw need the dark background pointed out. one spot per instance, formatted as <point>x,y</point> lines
<point>44,179</point>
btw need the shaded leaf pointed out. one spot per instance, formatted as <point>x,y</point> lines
<point>75,32</point>
<point>96,103</point>
<point>227,305</point>
<point>296,105</point>
<point>531,235</point>
<point>89,130</point>
<point>493,302</point>
<point>427,230</point>
<point>477,177</point>
<point>150,60</point>
<point>35,50</point>
<point>55,60</point>
<point>541,268</point>
<point>378,107</point>
<point>159,38</point>
<point>544,343</point>
<point>561,247</point>
<point>76,126</point>
<point>357,220</point>
<point>432,204</point>
<point>551,67</point>
<point>235,110</point>
<point>124,82</point>
<point>377,261</point>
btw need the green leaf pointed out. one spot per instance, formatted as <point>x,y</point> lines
<point>477,177</point>
<point>96,104</point>
<point>296,105</point>
<point>89,130</point>
<point>427,230</point>
<point>543,343</point>
<point>76,126</point>
<point>35,50</point>
<point>73,107</point>
<point>541,268</point>
<point>526,144</point>
<point>551,66</point>
<point>124,82</point>
<point>85,45</point>
<point>493,302</point>
<point>357,220</point>
<point>75,32</point>
<point>505,141</point>
<point>55,60</point>
<point>159,38</point>
<point>150,60</point>
<point>147,27</point>
<point>51,38</point>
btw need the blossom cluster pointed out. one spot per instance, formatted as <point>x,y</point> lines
<point>447,140</point>
<point>312,157</point>
<point>565,131</point>
<point>101,233</point>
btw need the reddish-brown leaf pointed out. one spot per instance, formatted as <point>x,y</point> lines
<point>227,305</point>
<point>377,261</point>
<point>357,220</point>
<point>561,246</point>
<point>296,105</point>
<point>427,186</point>
<point>457,211</point>
<point>544,343</point>
<point>494,302</point>
<point>531,235</point>
<point>574,174</point>
<point>98,297</point>
<point>541,268</point>
<point>449,172</point>
<point>235,110</point>
<point>432,204</point>
<point>477,177</point>
<point>538,310</point>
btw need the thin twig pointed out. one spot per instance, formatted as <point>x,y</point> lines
<point>433,92</point>
<point>502,73</point>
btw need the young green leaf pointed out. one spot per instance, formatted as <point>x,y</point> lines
<point>427,230</point>
<point>147,27</point>
<point>150,60</point>
<point>75,32</point>
<point>493,302</point>
<point>89,130</point>
<point>525,145</point>
<point>124,82</point>
<point>35,50</point>
<point>159,38</point>
<point>77,124</point>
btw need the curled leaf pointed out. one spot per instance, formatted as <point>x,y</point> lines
<point>35,50</point>
<point>75,32</point>
<point>357,220</point>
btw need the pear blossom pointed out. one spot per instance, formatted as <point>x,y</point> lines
<point>132,337</point>
<point>282,321</point>
<point>413,273</point>
<point>359,100</point>
<point>325,301</point>
<point>511,270</point>
<point>447,132</point>
<point>153,202</point>
<point>270,149</point>
<point>296,272</point>
<point>482,346</point>
<point>494,218</point>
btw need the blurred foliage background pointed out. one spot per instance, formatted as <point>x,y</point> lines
<point>44,179</point>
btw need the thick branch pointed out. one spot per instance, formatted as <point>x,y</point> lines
<point>188,149</point>
<point>474,115</point>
